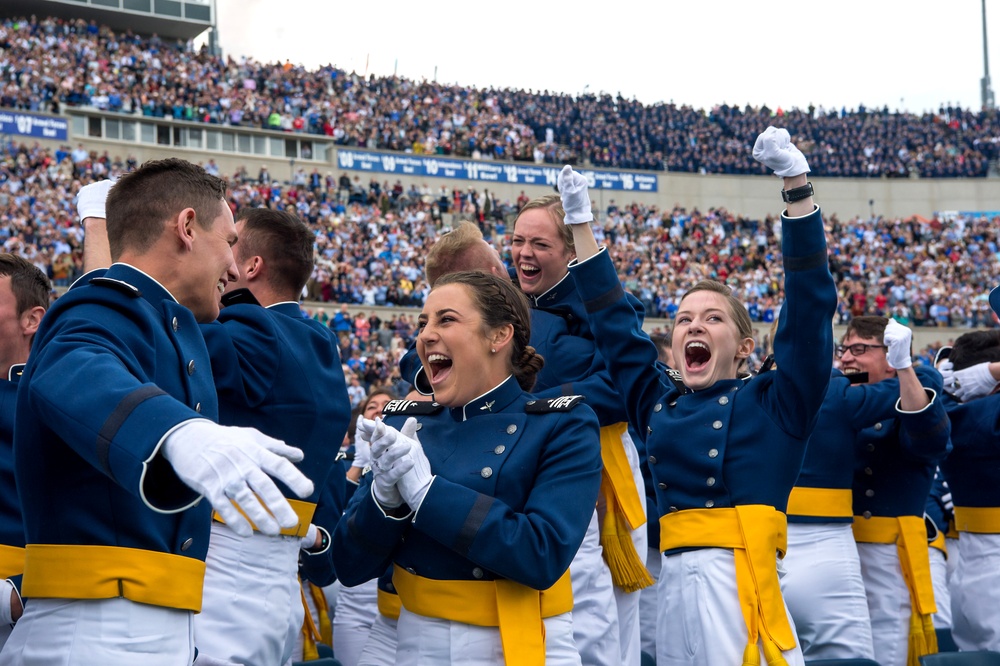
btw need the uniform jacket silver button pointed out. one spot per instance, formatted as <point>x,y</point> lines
<point>511,429</point>
<point>477,573</point>
<point>869,493</point>
<point>717,425</point>
<point>867,514</point>
<point>419,426</point>
<point>713,453</point>
<point>173,324</point>
<point>709,503</point>
<point>878,426</point>
<point>673,404</point>
<point>652,460</point>
<point>499,449</point>
<point>191,367</point>
<point>411,570</point>
<point>486,472</point>
<point>870,447</point>
<point>197,408</point>
<point>661,486</point>
<point>868,471</point>
<point>649,429</point>
<point>724,400</point>
<point>187,544</point>
<point>710,481</point>
<point>658,407</point>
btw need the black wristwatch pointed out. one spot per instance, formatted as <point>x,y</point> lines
<point>797,193</point>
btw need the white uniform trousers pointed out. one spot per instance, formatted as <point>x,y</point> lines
<point>426,641</point>
<point>628,603</point>
<point>647,603</point>
<point>355,612</point>
<point>252,609</point>
<point>595,614</point>
<point>699,618</point>
<point>888,602</point>
<point>380,648</point>
<point>975,600</point>
<point>99,632</point>
<point>824,592</point>
<point>942,595</point>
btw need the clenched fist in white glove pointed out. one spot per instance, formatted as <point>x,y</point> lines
<point>968,383</point>
<point>575,197</point>
<point>362,447</point>
<point>413,485</point>
<point>774,149</point>
<point>90,202</point>
<point>898,338</point>
<point>230,465</point>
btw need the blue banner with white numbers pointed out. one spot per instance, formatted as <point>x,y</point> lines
<point>440,167</point>
<point>27,124</point>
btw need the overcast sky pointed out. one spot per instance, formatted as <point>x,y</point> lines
<point>912,55</point>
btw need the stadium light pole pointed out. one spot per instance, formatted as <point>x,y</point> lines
<point>986,89</point>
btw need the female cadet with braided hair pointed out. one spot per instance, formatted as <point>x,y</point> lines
<point>482,515</point>
<point>724,453</point>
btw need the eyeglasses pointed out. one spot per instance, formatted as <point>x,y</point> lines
<point>858,349</point>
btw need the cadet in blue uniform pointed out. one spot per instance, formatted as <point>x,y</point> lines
<point>483,527</point>
<point>896,459</point>
<point>972,472</point>
<point>823,586</point>
<point>24,296</point>
<point>114,447</point>
<point>724,455</point>
<point>281,373</point>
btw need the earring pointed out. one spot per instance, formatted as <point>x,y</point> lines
<point>493,350</point>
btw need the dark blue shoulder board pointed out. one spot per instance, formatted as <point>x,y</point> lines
<point>118,285</point>
<point>417,407</point>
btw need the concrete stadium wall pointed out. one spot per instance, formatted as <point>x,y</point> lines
<point>753,196</point>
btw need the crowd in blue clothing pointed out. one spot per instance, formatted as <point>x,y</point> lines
<point>52,62</point>
<point>923,272</point>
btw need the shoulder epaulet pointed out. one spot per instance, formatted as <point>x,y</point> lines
<point>411,407</point>
<point>676,378</point>
<point>563,403</point>
<point>15,372</point>
<point>119,285</point>
<point>239,297</point>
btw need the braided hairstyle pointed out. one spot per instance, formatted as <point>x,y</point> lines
<point>499,302</point>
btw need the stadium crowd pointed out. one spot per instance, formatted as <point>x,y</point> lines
<point>371,239</point>
<point>50,62</point>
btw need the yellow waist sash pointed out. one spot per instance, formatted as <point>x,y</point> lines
<point>980,520</point>
<point>952,532</point>
<point>11,561</point>
<point>304,510</point>
<point>755,533</point>
<point>517,610</point>
<point>820,502</point>
<point>909,533</point>
<point>107,572</point>
<point>389,604</point>
<point>624,513</point>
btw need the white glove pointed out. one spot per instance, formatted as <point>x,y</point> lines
<point>389,460</point>
<point>774,150</point>
<point>969,383</point>
<point>230,465</point>
<point>309,540</point>
<point>897,338</point>
<point>413,486</point>
<point>90,200</point>
<point>362,447</point>
<point>574,195</point>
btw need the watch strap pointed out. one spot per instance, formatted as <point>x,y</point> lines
<point>797,193</point>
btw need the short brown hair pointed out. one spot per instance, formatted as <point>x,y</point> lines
<point>30,285</point>
<point>142,201</point>
<point>462,249</point>
<point>870,327</point>
<point>285,243</point>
